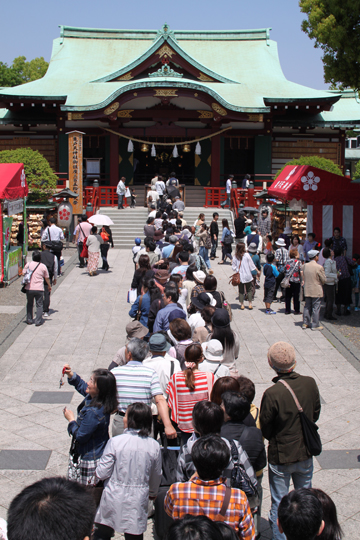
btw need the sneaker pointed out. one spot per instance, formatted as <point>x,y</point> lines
<point>45,314</point>
<point>270,312</point>
<point>318,328</point>
<point>357,309</point>
<point>305,326</point>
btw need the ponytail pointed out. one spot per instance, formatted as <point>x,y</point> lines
<point>193,356</point>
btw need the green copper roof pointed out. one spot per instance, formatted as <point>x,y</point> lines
<point>244,64</point>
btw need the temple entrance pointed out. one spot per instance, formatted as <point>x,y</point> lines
<point>146,165</point>
<point>239,155</point>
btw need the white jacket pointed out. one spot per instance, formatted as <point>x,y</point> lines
<point>246,267</point>
<point>121,188</point>
<point>330,272</point>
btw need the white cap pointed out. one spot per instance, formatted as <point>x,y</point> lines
<point>312,253</point>
<point>213,350</point>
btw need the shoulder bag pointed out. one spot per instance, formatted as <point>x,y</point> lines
<point>239,477</point>
<point>138,313</point>
<point>27,278</point>
<point>235,278</point>
<point>221,515</point>
<point>309,428</point>
<point>285,283</point>
<point>56,245</point>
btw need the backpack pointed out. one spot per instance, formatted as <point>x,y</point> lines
<point>207,242</point>
<point>180,353</point>
<point>239,477</point>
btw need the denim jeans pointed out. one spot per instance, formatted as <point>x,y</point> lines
<point>279,479</point>
<point>312,311</point>
<point>120,201</point>
<point>204,253</point>
<point>214,245</point>
<point>227,202</point>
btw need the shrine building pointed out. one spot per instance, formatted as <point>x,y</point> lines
<point>219,96</point>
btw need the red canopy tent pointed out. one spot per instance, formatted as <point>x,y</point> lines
<point>332,201</point>
<point>13,186</point>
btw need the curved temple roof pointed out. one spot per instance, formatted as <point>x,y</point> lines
<point>239,69</point>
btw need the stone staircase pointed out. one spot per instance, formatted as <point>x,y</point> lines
<point>129,223</point>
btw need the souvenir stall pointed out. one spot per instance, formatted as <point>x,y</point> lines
<point>13,192</point>
<point>332,201</point>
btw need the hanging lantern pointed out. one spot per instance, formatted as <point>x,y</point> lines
<point>153,151</point>
<point>198,149</point>
<point>130,146</point>
<point>144,147</point>
<point>175,153</point>
<point>64,212</point>
<point>186,148</point>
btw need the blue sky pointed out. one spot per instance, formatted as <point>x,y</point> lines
<point>29,26</point>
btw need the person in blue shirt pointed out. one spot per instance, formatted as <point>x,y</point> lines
<point>270,273</point>
<point>90,430</point>
<point>141,306</point>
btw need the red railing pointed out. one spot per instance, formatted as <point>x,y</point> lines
<point>214,196</point>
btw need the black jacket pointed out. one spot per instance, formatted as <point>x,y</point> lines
<point>239,223</point>
<point>250,439</point>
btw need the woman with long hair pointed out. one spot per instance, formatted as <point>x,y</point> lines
<point>187,388</point>
<point>332,529</point>
<point>106,235</point>
<point>144,271</point>
<point>131,466</point>
<point>293,269</point>
<point>204,242</point>
<point>244,265</point>
<point>296,245</point>
<point>228,339</point>
<point>226,241</point>
<point>93,243</point>
<point>198,222</point>
<point>90,430</point>
<point>189,282</point>
<point>141,307</point>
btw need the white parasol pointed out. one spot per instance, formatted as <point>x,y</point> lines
<point>100,219</point>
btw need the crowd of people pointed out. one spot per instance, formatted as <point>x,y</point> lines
<point>173,391</point>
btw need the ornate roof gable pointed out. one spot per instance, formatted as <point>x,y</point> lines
<point>165,58</point>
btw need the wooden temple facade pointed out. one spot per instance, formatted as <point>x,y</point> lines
<point>220,97</point>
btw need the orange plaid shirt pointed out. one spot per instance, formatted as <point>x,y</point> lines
<point>199,497</point>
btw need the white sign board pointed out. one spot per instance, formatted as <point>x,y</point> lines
<point>15,207</point>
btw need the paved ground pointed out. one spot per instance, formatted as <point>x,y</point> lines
<point>87,326</point>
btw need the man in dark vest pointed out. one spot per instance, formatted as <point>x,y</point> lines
<point>254,238</point>
<point>51,263</point>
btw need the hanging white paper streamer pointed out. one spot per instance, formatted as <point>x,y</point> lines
<point>153,151</point>
<point>130,146</point>
<point>198,149</point>
<point>175,153</point>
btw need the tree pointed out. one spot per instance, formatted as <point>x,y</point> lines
<point>39,175</point>
<point>314,161</point>
<point>335,27</point>
<point>22,71</point>
<point>357,170</point>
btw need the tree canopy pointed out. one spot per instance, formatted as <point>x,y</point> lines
<point>40,177</point>
<point>335,27</point>
<point>22,71</point>
<point>314,161</point>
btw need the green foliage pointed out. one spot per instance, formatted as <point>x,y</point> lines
<point>314,161</point>
<point>335,27</point>
<point>22,71</point>
<point>39,175</point>
<point>357,170</point>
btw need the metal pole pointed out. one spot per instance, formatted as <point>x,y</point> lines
<point>25,238</point>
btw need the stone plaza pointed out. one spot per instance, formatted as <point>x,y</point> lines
<point>87,326</point>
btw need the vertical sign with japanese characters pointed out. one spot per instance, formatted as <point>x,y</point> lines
<point>75,143</point>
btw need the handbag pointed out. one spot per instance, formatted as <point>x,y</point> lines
<point>138,313</point>
<point>285,282</point>
<point>235,278</point>
<point>228,240</point>
<point>226,305</point>
<point>309,428</point>
<point>95,488</point>
<point>131,296</point>
<point>84,252</point>
<point>27,278</point>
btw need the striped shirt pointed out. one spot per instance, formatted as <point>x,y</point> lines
<point>182,400</point>
<point>204,498</point>
<point>135,383</point>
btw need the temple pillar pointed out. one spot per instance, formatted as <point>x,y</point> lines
<point>114,159</point>
<point>215,161</point>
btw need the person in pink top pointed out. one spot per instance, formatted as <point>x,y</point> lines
<point>186,388</point>
<point>35,289</point>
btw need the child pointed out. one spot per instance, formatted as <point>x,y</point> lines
<point>270,273</point>
<point>355,280</point>
<point>136,248</point>
<point>268,248</point>
<point>133,198</point>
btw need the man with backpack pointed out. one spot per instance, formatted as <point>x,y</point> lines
<point>207,493</point>
<point>51,263</point>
